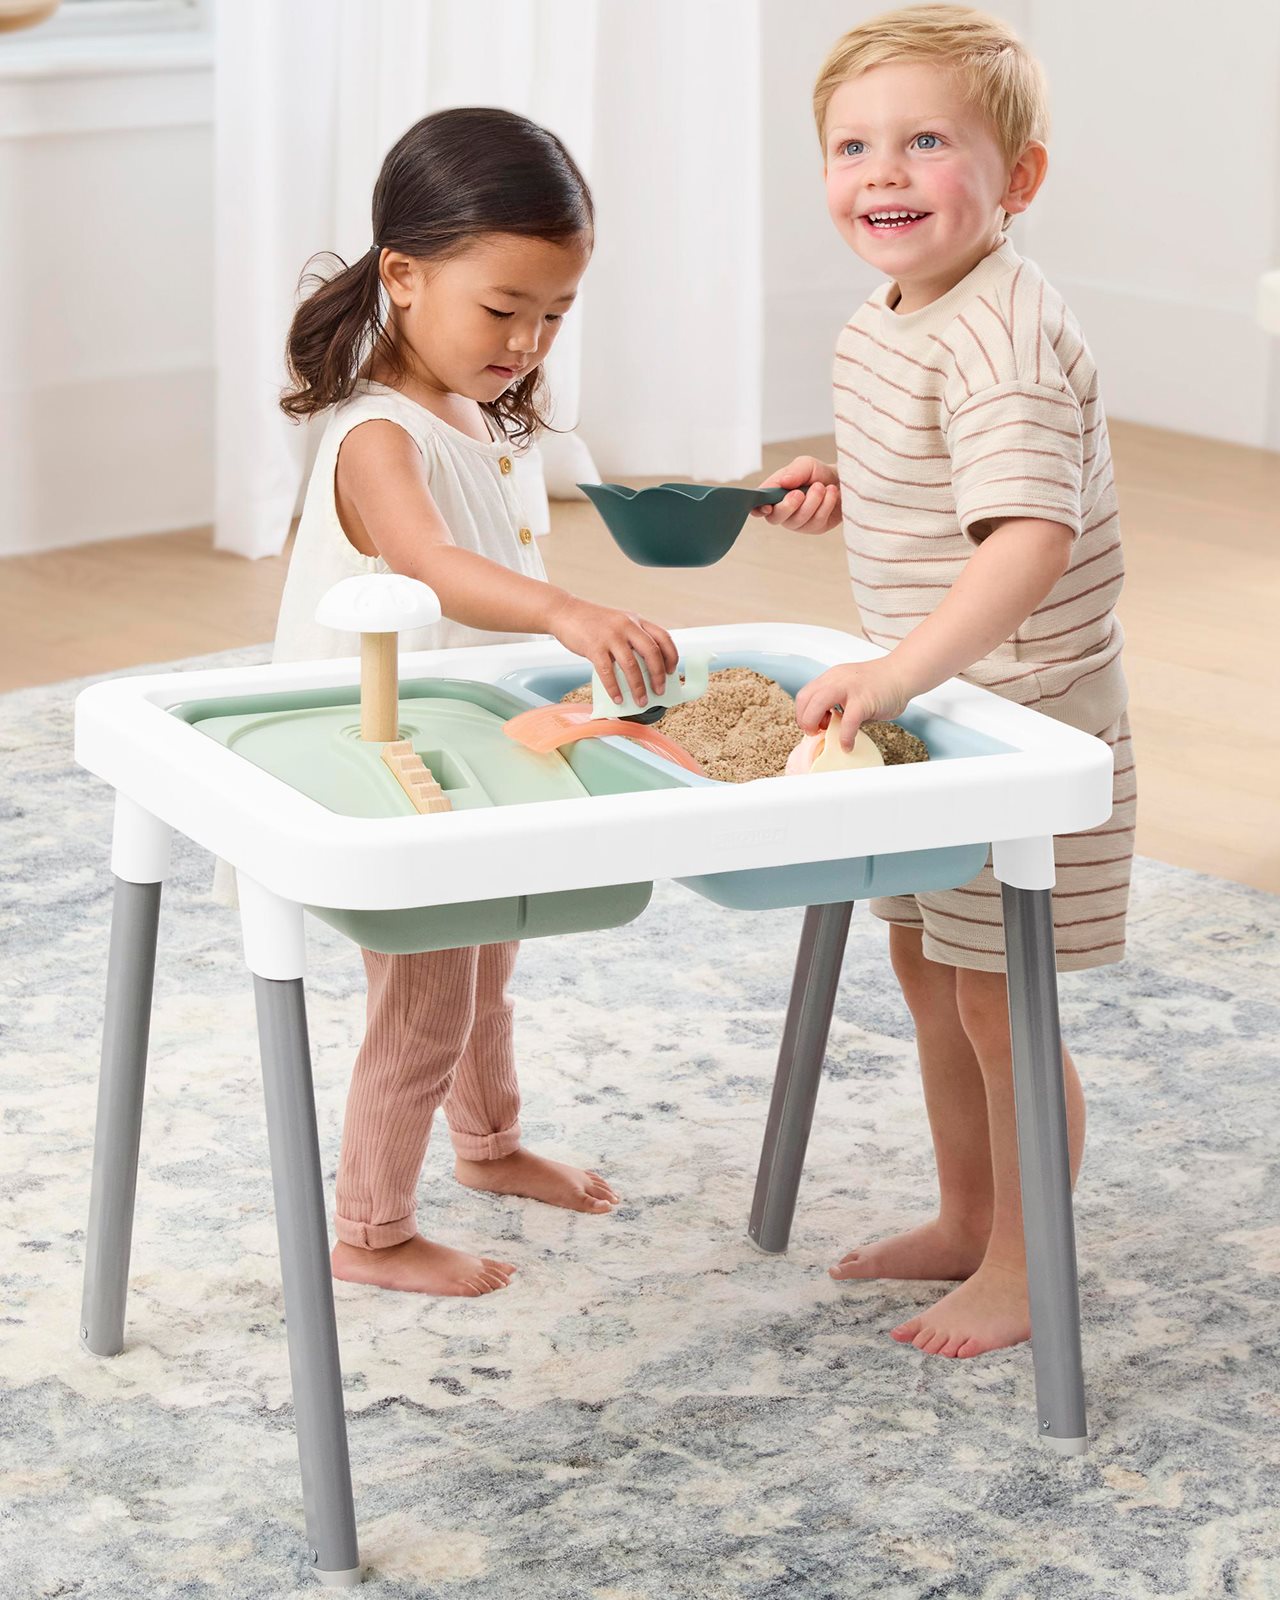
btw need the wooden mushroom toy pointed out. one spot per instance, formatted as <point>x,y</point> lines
<point>379,606</point>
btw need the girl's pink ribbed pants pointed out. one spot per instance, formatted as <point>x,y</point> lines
<point>438,1033</point>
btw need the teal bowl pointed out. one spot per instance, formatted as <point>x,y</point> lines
<point>676,524</point>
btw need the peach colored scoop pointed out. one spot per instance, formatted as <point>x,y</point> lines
<point>548,727</point>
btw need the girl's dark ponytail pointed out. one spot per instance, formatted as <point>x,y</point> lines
<point>454,177</point>
<point>332,333</point>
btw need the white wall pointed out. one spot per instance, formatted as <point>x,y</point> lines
<point>106,243</point>
<point>812,281</point>
<point>1161,210</point>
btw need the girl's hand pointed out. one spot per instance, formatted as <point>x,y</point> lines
<point>868,691</point>
<point>814,504</point>
<point>607,637</point>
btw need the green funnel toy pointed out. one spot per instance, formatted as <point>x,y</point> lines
<point>676,524</point>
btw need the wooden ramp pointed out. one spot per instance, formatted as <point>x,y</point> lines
<point>414,777</point>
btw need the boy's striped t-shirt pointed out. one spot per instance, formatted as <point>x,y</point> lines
<point>983,405</point>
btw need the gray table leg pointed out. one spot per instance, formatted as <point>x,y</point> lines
<point>1044,1163</point>
<point>795,1083</point>
<point>308,1284</point>
<point>126,1027</point>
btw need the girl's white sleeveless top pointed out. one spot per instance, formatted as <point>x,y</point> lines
<point>473,483</point>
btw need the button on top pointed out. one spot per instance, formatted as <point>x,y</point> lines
<point>526,536</point>
<point>505,463</point>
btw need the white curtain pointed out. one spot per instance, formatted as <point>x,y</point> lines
<point>659,364</point>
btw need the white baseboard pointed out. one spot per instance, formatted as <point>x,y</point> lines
<point>1202,369</point>
<point>799,351</point>
<point>134,454</point>
<point>106,459</point>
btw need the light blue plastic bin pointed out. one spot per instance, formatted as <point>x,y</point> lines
<point>814,883</point>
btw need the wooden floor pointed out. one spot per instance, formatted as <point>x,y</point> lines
<point>1201,610</point>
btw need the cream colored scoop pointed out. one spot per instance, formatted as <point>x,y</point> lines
<point>831,758</point>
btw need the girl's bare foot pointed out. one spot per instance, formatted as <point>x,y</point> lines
<point>930,1251</point>
<point>988,1312</point>
<point>536,1178</point>
<point>420,1267</point>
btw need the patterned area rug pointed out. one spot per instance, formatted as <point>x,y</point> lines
<point>654,1410</point>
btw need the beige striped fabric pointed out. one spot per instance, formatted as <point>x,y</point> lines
<point>980,406</point>
<point>964,927</point>
<point>439,1032</point>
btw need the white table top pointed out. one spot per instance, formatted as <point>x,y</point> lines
<point>1056,780</point>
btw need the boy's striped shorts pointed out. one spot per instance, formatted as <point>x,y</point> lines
<point>964,927</point>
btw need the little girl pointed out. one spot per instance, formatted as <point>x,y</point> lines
<point>429,351</point>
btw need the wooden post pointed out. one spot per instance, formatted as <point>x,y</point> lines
<point>379,687</point>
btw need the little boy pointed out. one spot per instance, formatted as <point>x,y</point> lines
<point>979,510</point>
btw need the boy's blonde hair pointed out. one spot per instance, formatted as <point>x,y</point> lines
<point>1000,75</point>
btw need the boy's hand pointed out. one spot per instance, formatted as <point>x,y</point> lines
<point>814,504</point>
<point>868,691</point>
<point>607,637</point>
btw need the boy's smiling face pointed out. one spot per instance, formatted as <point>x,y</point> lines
<point>902,137</point>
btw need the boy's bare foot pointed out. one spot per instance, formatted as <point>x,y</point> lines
<point>930,1251</point>
<point>536,1178</point>
<point>420,1267</point>
<point>988,1312</point>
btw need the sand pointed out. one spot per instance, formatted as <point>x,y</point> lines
<point>744,727</point>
